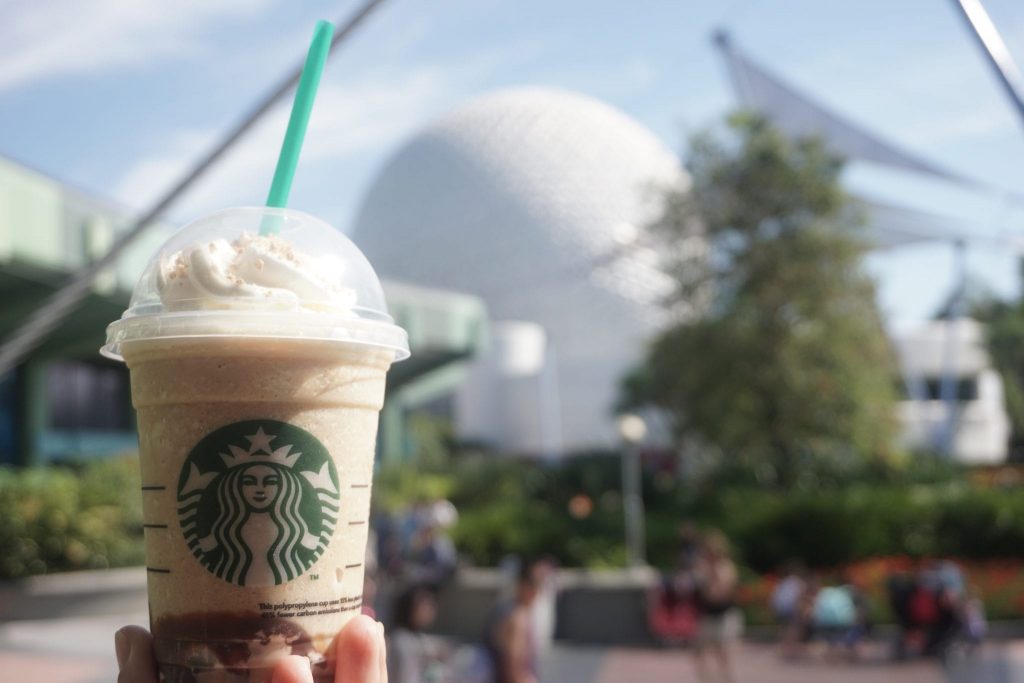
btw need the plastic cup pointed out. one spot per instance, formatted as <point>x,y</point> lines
<point>257,370</point>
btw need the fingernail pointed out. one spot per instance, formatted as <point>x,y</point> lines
<point>380,633</point>
<point>122,648</point>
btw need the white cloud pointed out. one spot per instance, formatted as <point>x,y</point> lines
<point>41,39</point>
<point>348,118</point>
<point>355,116</point>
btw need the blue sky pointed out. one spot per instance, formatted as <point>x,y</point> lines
<point>117,97</point>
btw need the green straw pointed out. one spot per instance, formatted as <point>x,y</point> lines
<point>299,120</point>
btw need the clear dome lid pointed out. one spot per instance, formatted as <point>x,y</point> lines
<point>258,272</point>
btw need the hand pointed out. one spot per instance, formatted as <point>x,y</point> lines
<point>360,645</point>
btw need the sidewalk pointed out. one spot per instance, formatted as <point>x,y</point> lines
<point>755,663</point>
<point>80,650</point>
<point>69,650</point>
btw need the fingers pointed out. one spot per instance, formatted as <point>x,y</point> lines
<point>360,655</point>
<point>134,649</point>
<point>292,669</point>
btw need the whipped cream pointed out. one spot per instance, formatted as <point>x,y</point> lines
<point>220,277</point>
<point>253,271</point>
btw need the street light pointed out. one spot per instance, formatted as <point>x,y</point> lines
<point>632,429</point>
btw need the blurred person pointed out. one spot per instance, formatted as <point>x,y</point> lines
<point>948,586</point>
<point>975,622</point>
<point>900,588</point>
<point>929,608</point>
<point>862,619</point>
<point>689,540</point>
<point>672,604</point>
<point>510,637</point>
<point>840,618</point>
<point>834,612</point>
<point>544,608</point>
<point>413,656</point>
<point>432,557</point>
<point>444,513</point>
<point>388,537</point>
<point>392,555</point>
<point>672,609</point>
<point>360,644</point>
<point>413,521</point>
<point>951,578</point>
<point>804,619</point>
<point>785,604</point>
<point>925,611</point>
<point>720,622</point>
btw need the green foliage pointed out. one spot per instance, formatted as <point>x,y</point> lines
<point>59,519</point>
<point>1005,340</point>
<point>831,528</point>
<point>433,439</point>
<point>400,486</point>
<point>786,358</point>
<point>922,508</point>
<point>522,507</point>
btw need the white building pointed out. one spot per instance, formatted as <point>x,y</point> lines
<point>980,424</point>
<point>532,199</point>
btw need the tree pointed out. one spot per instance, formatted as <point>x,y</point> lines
<point>787,359</point>
<point>1004,337</point>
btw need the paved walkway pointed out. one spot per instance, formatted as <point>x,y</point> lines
<point>71,650</point>
<point>755,663</point>
<point>80,650</point>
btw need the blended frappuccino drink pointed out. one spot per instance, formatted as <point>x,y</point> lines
<point>258,365</point>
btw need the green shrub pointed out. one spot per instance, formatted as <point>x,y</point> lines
<point>833,527</point>
<point>61,519</point>
<point>513,506</point>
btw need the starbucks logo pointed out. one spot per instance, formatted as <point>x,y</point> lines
<point>258,501</point>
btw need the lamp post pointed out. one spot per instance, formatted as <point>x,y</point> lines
<point>632,429</point>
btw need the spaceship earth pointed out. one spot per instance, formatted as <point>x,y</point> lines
<point>535,200</point>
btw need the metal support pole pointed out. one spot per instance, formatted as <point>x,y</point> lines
<point>633,506</point>
<point>741,81</point>
<point>43,321</point>
<point>992,45</point>
<point>30,411</point>
<point>633,429</point>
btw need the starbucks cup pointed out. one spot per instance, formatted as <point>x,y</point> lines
<point>257,366</point>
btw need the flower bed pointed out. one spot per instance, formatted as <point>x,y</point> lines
<point>999,583</point>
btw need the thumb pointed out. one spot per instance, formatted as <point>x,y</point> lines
<point>134,649</point>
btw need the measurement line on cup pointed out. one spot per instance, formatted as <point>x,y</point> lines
<point>158,570</point>
<point>357,523</point>
<point>353,566</point>
<point>154,488</point>
<point>154,526</point>
<point>360,486</point>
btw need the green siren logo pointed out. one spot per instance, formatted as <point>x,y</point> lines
<point>258,501</point>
